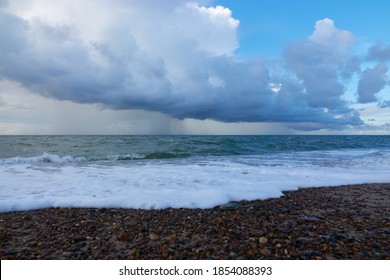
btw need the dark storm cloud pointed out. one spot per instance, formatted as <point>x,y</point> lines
<point>185,73</point>
<point>351,67</point>
<point>380,52</point>
<point>372,81</point>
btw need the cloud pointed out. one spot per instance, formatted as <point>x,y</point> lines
<point>3,3</point>
<point>317,62</point>
<point>176,58</point>
<point>2,102</point>
<point>352,66</point>
<point>221,40</point>
<point>372,81</point>
<point>328,35</point>
<point>316,66</point>
<point>385,104</point>
<point>380,52</point>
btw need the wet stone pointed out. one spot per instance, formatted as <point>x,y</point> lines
<point>265,252</point>
<point>339,237</point>
<point>263,240</point>
<point>330,239</point>
<point>10,251</point>
<point>228,206</point>
<point>67,254</point>
<point>301,241</point>
<point>153,236</point>
<point>80,238</point>
<point>55,226</point>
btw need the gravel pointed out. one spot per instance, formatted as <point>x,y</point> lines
<point>345,222</point>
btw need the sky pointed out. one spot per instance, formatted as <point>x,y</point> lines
<point>194,67</point>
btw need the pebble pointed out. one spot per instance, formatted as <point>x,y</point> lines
<point>301,241</point>
<point>330,239</point>
<point>263,240</point>
<point>265,252</point>
<point>10,251</point>
<point>314,219</point>
<point>228,206</point>
<point>153,236</point>
<point>80,238</point>
<point>339,237</point>
<point>67,254</point>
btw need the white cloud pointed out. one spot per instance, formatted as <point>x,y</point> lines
<point>218,14</point>
<point>221,40</point>
<point>328,35</point>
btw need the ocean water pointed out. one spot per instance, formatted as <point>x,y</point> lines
<point>155,172</point>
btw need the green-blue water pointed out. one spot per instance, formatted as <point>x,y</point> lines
<point>179,171</point>
<point>161,147</point>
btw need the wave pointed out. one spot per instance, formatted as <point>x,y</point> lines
<point>165,155</point>
<point>53,158</point>
<point>44,158</point>
<point>321,157</point>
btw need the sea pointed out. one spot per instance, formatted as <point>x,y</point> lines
<point>157,172</point>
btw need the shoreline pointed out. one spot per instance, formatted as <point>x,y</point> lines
<point>340,222</point>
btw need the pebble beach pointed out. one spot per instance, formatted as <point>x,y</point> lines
<point>326,223</point>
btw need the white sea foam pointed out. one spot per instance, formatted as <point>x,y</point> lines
<point>45,157</point>
<point>53,158</point>
<point>190,183</point>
